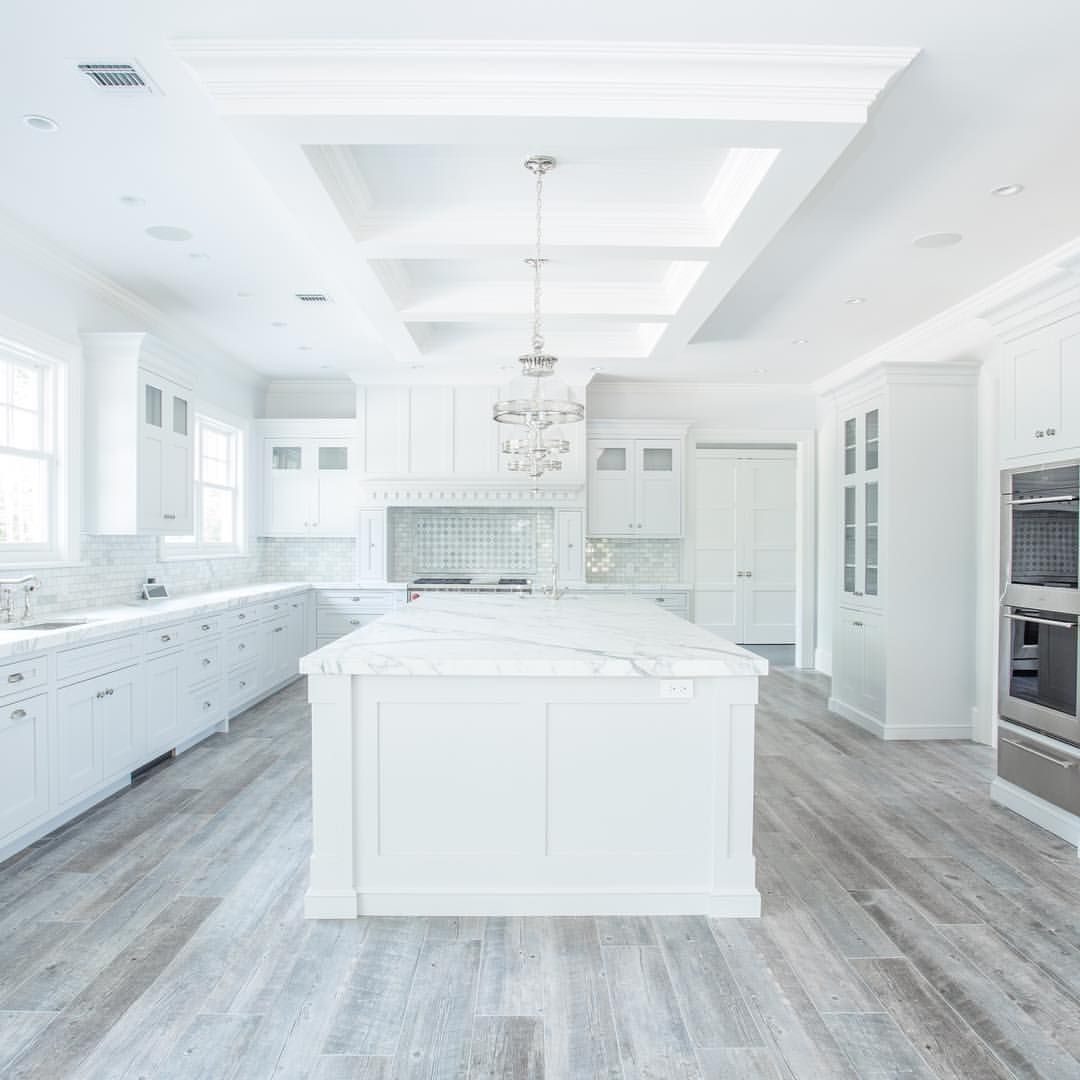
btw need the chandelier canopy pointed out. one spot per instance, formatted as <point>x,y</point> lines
<point>536,400</point>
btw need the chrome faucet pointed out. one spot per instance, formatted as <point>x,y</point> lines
<point>7,595</point>
<point>554,591</point>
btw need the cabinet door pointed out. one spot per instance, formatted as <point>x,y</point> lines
<point>166,491</point>
<point>298,631</point>
<point>612,510</point>
<point>287,495</point>
<point>658,465</point>
<point>177,480</point>
<point>24,762</point>
<point>371,553</point>
<point>274,663</point>
<point>334,486</point>
<point>163,680</point>
<point>570,544</point>
<point>847,676</point>
<point>154,398</point>
<point>123,722</point>
<point>872,690</point>
<point>1035,390</point>
<point>78,741</point>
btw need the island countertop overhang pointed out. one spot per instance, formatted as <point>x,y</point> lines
<point>575,636</point>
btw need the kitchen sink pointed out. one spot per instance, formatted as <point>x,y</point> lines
<point>59,624</point>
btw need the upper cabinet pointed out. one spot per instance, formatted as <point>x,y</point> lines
<point>861,470</point>
<point>139,437</point>
<point>1040,391</point>
<point>635,483</point>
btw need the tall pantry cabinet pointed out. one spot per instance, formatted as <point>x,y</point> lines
<point>905,480</point>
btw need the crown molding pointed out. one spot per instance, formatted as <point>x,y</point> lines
<point>360,77</point>
<point>33,344</point>
<point>36,248</point>
<point>644,386</point>
<point>466,493</point>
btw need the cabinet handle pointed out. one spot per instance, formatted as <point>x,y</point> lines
<point>17,677</point>
<point>166,637</point>
<point>206,705</point>
<point>241,646</point>
<point>207,661</point>
<point>1038,753</point>
<point>1039,434</point>
<point>1051,431</point>
<point>659,599</point>
<point>241,616</point>
<point>354,622</point>
<point>749,573</point>
<point>278,629</point>
<point>206,626</point>
<point>242,684</point>
<point>856,624</point>
<point>19,714</point>
<point>169,517</point>
<point>356,599</point>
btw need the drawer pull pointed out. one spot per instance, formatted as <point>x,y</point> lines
<point>242,684</point>
<point>241,646</point>
<point>241,616</point>
<point>19,714</point>
<point>278,629</point>
<point>206,626</point>
<point>356,599</point>
<point>354,622</point>
<point>1038,753</point>
<point>169,517</point>
<point>207,661</point>
<point>206,705</point>
<point>166,637</point>
<point>17,677</point>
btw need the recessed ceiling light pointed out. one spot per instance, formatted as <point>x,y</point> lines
<point>800,341</point>
<point>937,240</point>
<point>198,255</point>
<point>168,232</point>
<point>417,367</point>
<point>596,368</point>
<point>245,295</point>
<point>304,348</point>
<point>40,123</point>
<point>759,371</point>
<point>855,300</point>
<point>132,201</point>
<point>1006,191</point>
<point>326,367</point>
<point>279,325</point>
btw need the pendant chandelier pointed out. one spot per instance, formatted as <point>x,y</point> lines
<point>536,400</point>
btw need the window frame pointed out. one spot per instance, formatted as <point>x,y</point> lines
<point>177,548</point>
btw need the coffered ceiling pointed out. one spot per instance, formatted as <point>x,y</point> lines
<point>716,201</point>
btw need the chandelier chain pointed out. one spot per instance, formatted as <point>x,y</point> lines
<point>537,336</point>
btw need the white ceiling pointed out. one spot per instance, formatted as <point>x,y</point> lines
<point>696,227</point>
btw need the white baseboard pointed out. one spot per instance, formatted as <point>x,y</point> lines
<point>897,732</point>
<point>347,905</point>
<point>823,661</point>
<point>1050,817</point>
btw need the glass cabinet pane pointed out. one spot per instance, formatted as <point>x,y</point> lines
<point>612,459</point>
<point>849,447</point>
<point>286,457</point>
<point>657,459</point>
<point>873,441</point>
<point>153,405</point>
<point>849,539</point>
<point>871,543</point>
<point>333,457</point>
<point>179,416</point>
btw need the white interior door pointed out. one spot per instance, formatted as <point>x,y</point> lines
<point>716,602</point>
<point>766,527</point>
<point>745,531</point>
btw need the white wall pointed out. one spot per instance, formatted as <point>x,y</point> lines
<point>310,399</point>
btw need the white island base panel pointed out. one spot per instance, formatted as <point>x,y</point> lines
<point>531,796</point>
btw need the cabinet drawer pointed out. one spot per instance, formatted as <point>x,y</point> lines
<point>203,662</point>
<point>202,628</point>
<point>274,609</point>
<point>237,620</point>
<point>1049,773</point>
<point>162,638</point>
<point>101,656</point>
<point>669,600</point>
<point>241,647</point>
<point>24,762</point>
<point>205,707</point>
<point>241,685</point>
<point>378,600</point>
<point>338,623</point>
<point>23,675</point>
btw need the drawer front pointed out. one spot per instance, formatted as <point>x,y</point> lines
<point>274,609</point>
<point>330,623</point>
<point>242,617</point>
<point>101,656</point>
<point>24,762</point>
<point>1049,773</point>
<point>163,638</point>
<point>202,628</point>
<point>677,602</point>
<point>23,675</point>
<point>205,707</point>
<point>242,685</point>
<point>241,647</point>
<point>378,600</point>
<point>203,662</point>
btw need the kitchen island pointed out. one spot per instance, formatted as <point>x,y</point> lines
<point>487,755</point>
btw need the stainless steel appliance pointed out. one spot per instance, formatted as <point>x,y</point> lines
<point>472,584</point>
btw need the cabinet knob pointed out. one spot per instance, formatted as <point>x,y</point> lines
<point>241,646</point>
<point>1051,431</point>
<point>856,624</point>
<point>206,626</point>
<point>241,616</point>
<point>18,714</point>
<point>278,629</point>
<point>242,684</point>
<point>206,705</point>
<point>354,622</point>
<point>1039,434</point>
<point>749,573</point>
<point>166,637</point>
<point>17,677</point>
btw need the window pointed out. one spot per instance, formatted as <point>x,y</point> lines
<point>28,461</point>
<point>218,493</point>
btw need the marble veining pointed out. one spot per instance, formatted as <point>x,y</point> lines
<point>446,634</point>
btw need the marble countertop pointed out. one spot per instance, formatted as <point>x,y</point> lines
<point>628,586</point>
<point>465,634</point>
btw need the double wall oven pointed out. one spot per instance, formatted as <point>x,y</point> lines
<point>1040,599</point>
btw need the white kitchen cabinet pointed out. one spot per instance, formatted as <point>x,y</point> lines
<point>299,633</point>
<point>163,678</point>
<point>311,486</point>
<point>570,544</point>
<point>139,462</point>
<point>1040,392</point>
<point>635,486</point>
<point>903,534</point>
<point>123,722</point>
<point>276,663</point>
<point>371,551</point>
<point>24,762</point>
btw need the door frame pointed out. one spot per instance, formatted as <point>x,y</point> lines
<point>804,443</point>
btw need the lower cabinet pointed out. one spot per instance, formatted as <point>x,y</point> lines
<point>859,665</point>
<point>24,762</point>
<point>164,681</point>
<point>276,662</point>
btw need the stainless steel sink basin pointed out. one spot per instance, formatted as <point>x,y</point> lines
<point>59,624</point>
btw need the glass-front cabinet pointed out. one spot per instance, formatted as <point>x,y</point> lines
<point>166,458</point>
<point>310,487</point>
<point>635,487</point>
<point>860,504</point>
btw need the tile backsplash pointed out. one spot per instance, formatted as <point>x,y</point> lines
<point>299,559</point>
<point>456,540</point>
<point>616,561</point>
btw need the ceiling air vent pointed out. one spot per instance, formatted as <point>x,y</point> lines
<point>123,78</point>
<point>313,298</point>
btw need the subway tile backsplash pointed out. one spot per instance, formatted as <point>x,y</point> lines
<point>623,562</point>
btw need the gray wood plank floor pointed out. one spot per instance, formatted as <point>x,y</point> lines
<point>910,929</point>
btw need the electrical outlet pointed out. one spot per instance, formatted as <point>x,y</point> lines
<point>680,691</point>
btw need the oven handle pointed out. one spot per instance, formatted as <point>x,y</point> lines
<point>1038,753</point>
<point>1044,499</point>
<point>1042,622</point>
